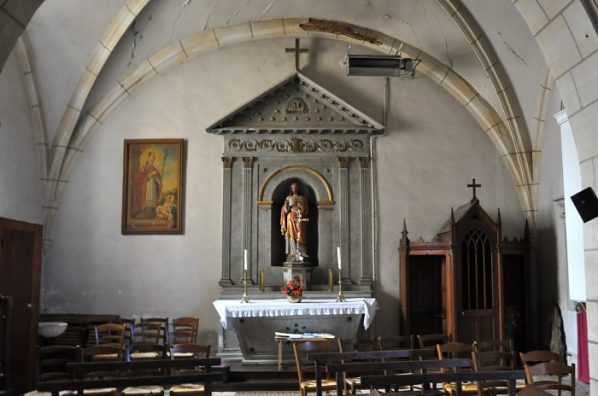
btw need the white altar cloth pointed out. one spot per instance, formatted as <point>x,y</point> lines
<point>307,307</point>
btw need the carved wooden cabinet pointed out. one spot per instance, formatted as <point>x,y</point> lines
<point>466,281</point>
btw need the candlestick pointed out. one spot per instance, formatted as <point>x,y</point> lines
<point>261,281</point>
<point>340,297</point>
<point>330,279</point>
<point>245,297</point>
<point>338,257</point>
<point>245,259</point>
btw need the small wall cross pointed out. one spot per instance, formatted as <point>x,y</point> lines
<point>297,51</point>
<point>473,185</point>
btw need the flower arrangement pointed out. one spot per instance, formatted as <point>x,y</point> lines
<point>293,287</point>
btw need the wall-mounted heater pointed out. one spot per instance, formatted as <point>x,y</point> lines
<point>381,66</point>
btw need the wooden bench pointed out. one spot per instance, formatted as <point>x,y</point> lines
<point>128,368</point>
<point>340,363</point>
<point>378,381</point>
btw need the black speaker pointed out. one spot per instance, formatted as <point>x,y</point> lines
<point>586,203</point>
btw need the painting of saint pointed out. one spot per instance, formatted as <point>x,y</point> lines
<point>152,183</point>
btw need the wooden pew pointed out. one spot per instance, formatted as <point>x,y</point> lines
<point>437,378</point>
<point>129,368</point>
<point>321,358</point>
<point>339,363</point>
<point>404,366</point>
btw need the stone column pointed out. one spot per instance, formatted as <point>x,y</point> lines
<point>248,210</point>
<point>227,166</point>
<point>343,163</point>
<point>366,222</point>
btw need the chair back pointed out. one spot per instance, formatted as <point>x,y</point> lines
<point>309,346</point>
<point>128,323</point>
<point>556,370</point>
<point>53,360</point>
<point>111,334</point>
<point>147,333</point>
<point>453,350</point>
<point>505,345</point>
<point>493,360</point>
<point>539,356</point>
<point>431,340</point>
<point>102,353</point>
<point>423,354</point>
<point>395,342</point>
<point>163,326</point>
<point>183,330</point>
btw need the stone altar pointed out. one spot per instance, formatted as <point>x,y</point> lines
<point>256,322</point>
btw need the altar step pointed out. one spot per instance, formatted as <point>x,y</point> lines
<point>253,377</point>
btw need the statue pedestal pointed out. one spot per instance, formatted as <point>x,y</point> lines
<point>291,269</point>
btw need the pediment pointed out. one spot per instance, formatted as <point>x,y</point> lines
<point>297,105</point>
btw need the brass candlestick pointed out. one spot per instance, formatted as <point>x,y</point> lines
<point>330,279</point>
<point>245,297</point>
<point>340,297</point>
<point>261,280</point>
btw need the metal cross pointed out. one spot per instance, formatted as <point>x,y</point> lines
<point>474,185</point>
<point>297,51</point>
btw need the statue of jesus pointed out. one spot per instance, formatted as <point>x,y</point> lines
<point>293,224</point>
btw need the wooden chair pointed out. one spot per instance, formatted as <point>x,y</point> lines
<point>163,322</point>
<point>353,383</point>
<point>505,345</point>
<point>494,361</point>
<point>147,333</point>
<point>183,330</point>
<point>456,350</point>
<point>53,360</point>
<point>104,353</point>
<point>395,342</point>
<point>145,351</point>
<point>538,356</point>
<point>431,340</point>
<point>189,351</point>
<point>305,385</point>
<point>365,344</point>
<point>111,334</point>
<point>128,323</point>
<point>556,370</point>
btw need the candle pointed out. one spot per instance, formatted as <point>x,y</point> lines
<point>338,256</point>
<point>245,259</point>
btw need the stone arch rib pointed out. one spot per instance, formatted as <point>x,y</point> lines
<point>515,126</point>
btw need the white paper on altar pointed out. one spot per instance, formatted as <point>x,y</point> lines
<point>308,307</point>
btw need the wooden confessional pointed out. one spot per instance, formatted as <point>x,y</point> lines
<point>468,282</point>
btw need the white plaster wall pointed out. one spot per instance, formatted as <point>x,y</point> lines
<point>432,149</point>
<point>552,252</point>
<point>20,188</point>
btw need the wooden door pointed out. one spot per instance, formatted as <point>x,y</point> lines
<point>478,316</point>
<point>20,258</point>
<point>426,296</point>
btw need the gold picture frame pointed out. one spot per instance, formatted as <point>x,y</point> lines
<point>153,186</point>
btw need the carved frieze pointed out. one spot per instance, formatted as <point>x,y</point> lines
<point>296,145</point>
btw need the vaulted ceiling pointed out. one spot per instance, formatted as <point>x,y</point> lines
<point>80,59</point>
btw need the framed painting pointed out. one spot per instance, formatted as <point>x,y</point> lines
<point>153,186</point>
